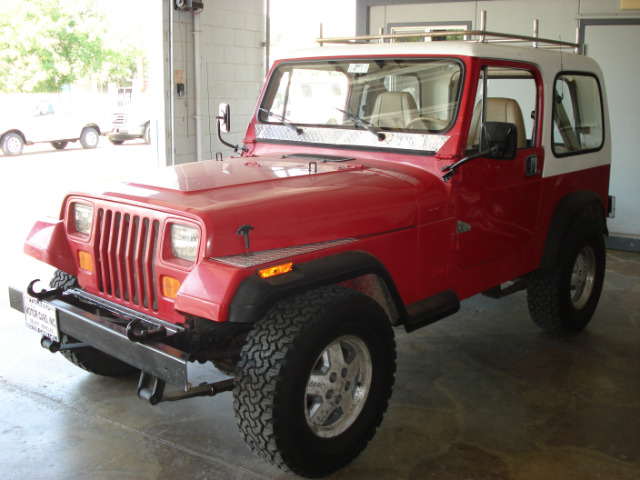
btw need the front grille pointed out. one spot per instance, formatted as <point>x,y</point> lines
<point>126,258</point>
<point>118,118</point>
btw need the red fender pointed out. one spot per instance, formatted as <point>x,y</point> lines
<point>47,242</point>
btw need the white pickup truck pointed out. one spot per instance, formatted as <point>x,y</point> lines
<point>46,124</point>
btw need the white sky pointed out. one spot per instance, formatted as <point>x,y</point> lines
<point>294,23</point>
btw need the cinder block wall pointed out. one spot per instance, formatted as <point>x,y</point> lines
<point>232,71</point>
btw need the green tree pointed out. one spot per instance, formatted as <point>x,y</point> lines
<point>46,44</point>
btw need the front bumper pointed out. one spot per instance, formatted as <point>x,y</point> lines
<point>91,327</point>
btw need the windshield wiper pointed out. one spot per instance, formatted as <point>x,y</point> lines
<point>363,123</point>
<point>283,120</point>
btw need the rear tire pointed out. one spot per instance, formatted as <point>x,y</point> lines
<point>565,298</point>
<point>88,358</point>
<point>314,380</point>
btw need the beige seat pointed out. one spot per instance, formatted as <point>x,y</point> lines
<point>498,110</point>
<point>394,110</point>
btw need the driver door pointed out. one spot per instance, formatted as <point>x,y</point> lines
<point>498,200</point>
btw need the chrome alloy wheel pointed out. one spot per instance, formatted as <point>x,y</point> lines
<point>338,386</point>
<point>583,277</point>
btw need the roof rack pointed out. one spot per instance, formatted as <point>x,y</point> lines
<point>481,35</point>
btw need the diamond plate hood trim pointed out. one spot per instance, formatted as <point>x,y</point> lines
<point>358,138</point>
<point>267,256</point>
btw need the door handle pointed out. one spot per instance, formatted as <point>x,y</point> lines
<point>531,166</point>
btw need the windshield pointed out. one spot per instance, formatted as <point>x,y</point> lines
<point>373,102</point>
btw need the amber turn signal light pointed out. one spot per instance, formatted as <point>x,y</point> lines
<point>85,260</point>
<point>170,287</point>
<point>276,270</point>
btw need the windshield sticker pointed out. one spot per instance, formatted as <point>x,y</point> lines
<point>348,137</point>
<point>358,67</point>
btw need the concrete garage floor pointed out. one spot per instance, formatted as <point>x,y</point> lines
<point>482,395</point>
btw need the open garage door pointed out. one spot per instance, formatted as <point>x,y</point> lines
<point>621,71</point>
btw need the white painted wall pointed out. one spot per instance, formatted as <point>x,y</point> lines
<point>231,71</point>
<point>557,19</point>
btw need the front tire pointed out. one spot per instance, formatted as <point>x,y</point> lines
<point>314,380</point>
<point>88,358</point>
<point>565,298</point>
<point>12,144</point>
<point>89,137</point>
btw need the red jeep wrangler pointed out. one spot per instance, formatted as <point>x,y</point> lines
<point>378,185</point>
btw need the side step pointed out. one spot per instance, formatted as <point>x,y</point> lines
<point>430,310</point>
<point>500,291</point>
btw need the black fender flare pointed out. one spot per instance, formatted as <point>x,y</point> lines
<point>255,295</point>
<point>584,203</point>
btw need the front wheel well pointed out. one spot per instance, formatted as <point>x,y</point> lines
<point>374,287</point>
<point>93,125</point>
<point>17,132</point>
<point>357,270</point>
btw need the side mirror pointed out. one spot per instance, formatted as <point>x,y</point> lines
<point>224,117</point>
<point>499,139</point>
<point>224,125</point>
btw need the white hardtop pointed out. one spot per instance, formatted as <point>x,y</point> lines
<point>546,59</point>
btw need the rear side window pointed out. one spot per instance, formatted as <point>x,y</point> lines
<point>577,114</point>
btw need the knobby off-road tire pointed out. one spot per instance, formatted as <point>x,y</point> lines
<point>88,358</point>
<point>565,298</point>
<point>314,380</point>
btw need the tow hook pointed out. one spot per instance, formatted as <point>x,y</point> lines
<point>140,332</point>
<point>43,294</point>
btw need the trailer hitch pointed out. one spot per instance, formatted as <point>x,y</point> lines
<point>151,388</point>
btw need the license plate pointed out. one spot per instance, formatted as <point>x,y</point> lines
<point>41,317</point>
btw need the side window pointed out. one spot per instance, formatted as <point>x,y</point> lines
<point>577,114</point>
<point>511,97</point>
